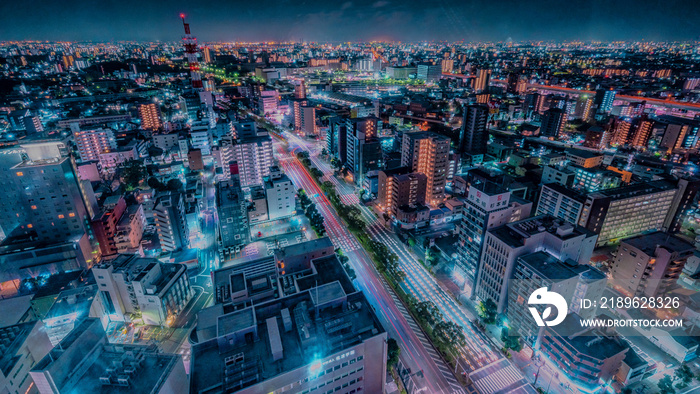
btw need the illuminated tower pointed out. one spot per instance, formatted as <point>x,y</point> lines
<point>189,42</point>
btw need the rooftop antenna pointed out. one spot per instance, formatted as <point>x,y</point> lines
<point>189,42</point>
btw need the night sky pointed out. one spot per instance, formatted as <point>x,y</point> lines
<point>351,20</point>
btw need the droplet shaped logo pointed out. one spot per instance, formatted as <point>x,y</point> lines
<point>542,296</point>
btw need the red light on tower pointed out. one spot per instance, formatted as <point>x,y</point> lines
<point>189,42</point>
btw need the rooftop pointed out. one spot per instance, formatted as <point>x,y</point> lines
<point>552,268</point>
<point>515,234</point>
<point>630,191</point>
<point>649,242</point>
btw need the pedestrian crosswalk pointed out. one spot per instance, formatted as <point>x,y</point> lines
<point>498,377</point>
<point>349,199</point>
<point>347,244</point>
<point>444,368</point>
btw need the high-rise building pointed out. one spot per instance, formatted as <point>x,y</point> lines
<point>553,122</point>
<point>91,143</point>
<point>171,222</point>
<point>133,287</point>
<point>429,72</point>
<point>363,149</point>
<point>487,206</point>
<point>280,194</point>
<point>427,153</point>
<point>574,282</point>
<point>150,116</point>
<point>604,100</point>
<point>474,135</point>
<point>22,345</point>
<point>254,158</point>
<point>106,367</point>
<point>300,90</point>
<point>104,225</point>
<point>304,118</point>
<point>649,265</point>
<point>627,211</point>
<point>678,133</point>
<point>642,132</point>
<point>232,207</point>
<point>481,82</point>
<point>399,187</point>
<point>319,334</point>
<point>54,204</point>
<point>503,245</point>
<point>206,55</point>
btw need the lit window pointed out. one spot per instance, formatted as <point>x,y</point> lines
<point>71,214</point>
<point>29,225</point>
<point>61,216</point>
<point>20,173</point>
<point>33,206</point>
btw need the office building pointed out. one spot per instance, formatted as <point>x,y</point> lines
<point>268,102</point>
<point>319,335</point>
<point>21,345</point>
<point>399,188</point>
<point>92,142</point>
<point>474,135</point>
<point>650,264</point>
<point>553,122</point>
<point>627,211</point>
<point>427,153</point>
<point>503,245</point>
<point>191,106</point>
<point>487,206</point>
<point>86,362</point>
<point>150,116</point>
<point>129,231</point>
<point>54,205</point>
<point>682,203</point>
<point>363,149</point>
<point>136,288</point>
<point>71,307</point>
<point>280,194</point>
<point>171,222</point>
<point>428,72</point>
<point>233,216</point>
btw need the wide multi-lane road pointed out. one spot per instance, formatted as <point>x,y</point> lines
<point>478,351</point>
<point>417,353</point>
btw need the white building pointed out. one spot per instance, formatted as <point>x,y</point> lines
<point>143,289</point>
<point>21,346</point>
<point>92,142</point>
<point>254,157</point>
<point>280,194</point>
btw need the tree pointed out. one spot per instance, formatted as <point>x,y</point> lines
<point>393,352</point>
<point>684,375</point>
<point>488,311</point>
<point>449,334</point>
<point>427,311</point>
<point>132,172</point>
<point>324,152</point>
<point>666,385</point>
<point>511,339</point>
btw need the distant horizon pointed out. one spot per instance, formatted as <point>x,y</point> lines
<point>446,42</point>
<point>476,21</point>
